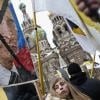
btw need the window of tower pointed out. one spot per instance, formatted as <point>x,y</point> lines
<point>57,18</point>
<point>60,17</point>
<point>59,31</point>
<point>65,27</point>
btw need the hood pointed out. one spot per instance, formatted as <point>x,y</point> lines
<point>79,78</point>
<point>50,97</point>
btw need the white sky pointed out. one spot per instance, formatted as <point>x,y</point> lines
<point>42,17</point>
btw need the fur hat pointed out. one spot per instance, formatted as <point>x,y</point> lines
<point>74,68</point>
<point>50,97</point>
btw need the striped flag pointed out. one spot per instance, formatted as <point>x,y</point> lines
<point>76,28</point>
<point>23,53</point>
<point>81,37</point>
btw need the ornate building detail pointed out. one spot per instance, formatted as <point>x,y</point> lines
<point>27,22</point>
<point>69,48</point>
<point>49,58</point>
<point>27,26</point>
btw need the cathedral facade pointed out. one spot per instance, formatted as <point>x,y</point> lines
<point>70,49</point>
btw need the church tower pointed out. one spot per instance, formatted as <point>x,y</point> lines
<point>49,58</point>
<point>69,48</point>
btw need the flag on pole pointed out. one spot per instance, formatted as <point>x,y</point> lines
<point>23,53</point>
<point>65,9</point>
<point>76,28</point>
<point>92,26</point>
<point>59,7</point>
<point>81,37</point>
<point>85,18</point>
<point>21,40</point>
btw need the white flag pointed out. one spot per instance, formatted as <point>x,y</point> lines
<point>59,7</point>
<point>39,5</point>
<point>65,9</point>
<point>88,44</point>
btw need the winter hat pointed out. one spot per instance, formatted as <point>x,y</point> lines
<point>74,68</point>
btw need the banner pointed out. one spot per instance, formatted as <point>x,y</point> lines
<point>23,52</point>
<point>9,73</point>
<point>81,37</point>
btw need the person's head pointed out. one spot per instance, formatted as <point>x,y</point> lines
<point>60,88</point>
<point>64,90</point>
<point>74,68</point>
<point>8,31</point>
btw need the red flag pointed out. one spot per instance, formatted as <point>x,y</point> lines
<point>25,58</point>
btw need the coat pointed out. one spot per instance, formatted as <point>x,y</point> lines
<point>90,87</point>
<point>50,97</point>
<point>23,92</point>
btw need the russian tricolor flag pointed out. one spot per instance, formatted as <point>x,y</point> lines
<point>23,52</point>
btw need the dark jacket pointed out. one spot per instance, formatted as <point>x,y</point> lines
<point>90,87</point>
<point>23,92</point>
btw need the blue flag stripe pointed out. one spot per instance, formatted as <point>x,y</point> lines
<point>21,39</point>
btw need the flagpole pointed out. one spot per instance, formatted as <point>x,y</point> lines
<point>38,51</point>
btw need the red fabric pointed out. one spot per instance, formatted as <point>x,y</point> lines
<point>25,59</point>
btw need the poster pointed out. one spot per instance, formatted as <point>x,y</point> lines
<point>11,71</point>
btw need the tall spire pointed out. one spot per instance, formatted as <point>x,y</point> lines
<point>27,22</point>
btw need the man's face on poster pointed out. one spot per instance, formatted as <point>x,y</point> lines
<point>8,31</point>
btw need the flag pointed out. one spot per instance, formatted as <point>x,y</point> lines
<point>23,53</point>
<point>76,28</point>
<point>21,40</point>
<point>3,95</point>
<point>59,7</point>
<point>85,18</point>
<point>65,9</point>
<point>81,37</point>
<point>92,26</point>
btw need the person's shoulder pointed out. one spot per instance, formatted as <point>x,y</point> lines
<point>50,97</point>
<point>94,80</point>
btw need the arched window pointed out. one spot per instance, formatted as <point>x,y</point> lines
<point>60,17</point>
<point>65,27</point>
<point>59,31</point>
<point>57,18</point>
